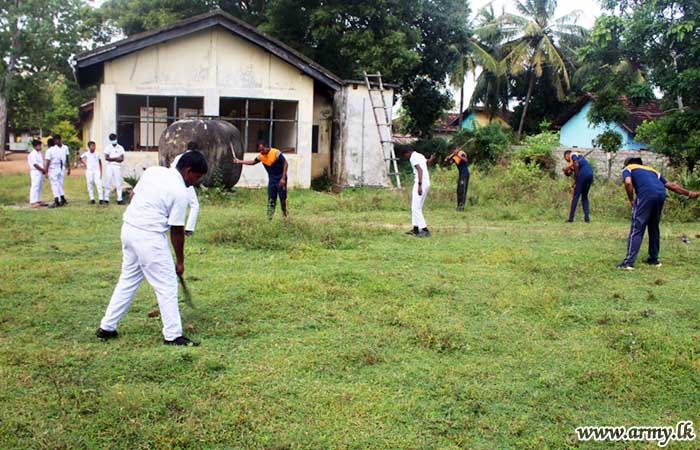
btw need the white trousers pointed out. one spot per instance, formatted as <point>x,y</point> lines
<point>113,179</point>
<point>93,178</point>
<point>145,254</point>
<point>417,201</point>
<point>37,183</point>
<point>62,180</point>
<point>55,180</point>
<point>194,209</point>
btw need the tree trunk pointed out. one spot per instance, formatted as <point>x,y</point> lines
<point>679,99</point>
<point>461,105</point>
<point>3,125</point>
<point>530,87</point>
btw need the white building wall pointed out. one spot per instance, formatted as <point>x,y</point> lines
<point>212,63</point>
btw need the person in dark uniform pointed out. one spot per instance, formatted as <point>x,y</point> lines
<point>459,158</point>
<point>650,188</point>
<point>276,166</point>
<point>583,178</point>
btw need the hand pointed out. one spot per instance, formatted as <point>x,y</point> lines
<point>68,174</point>
<point>283,183</point>
<point>693,194</point>
<point>180,268</point>
<point>420,190</point>
<point>632,203</point>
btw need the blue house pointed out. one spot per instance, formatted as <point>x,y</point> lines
<point>576,131</point>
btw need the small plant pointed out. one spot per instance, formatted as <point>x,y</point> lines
<point>610,141</point>
<point>485,145</point>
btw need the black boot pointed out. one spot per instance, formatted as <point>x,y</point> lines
<point>56,203</point>
<point>63,200</point>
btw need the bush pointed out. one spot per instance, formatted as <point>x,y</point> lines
<point>485,146</point>
<point>538,150</point>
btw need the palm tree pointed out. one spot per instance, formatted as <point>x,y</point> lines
<point>541,42</point>
<point>464,64</point>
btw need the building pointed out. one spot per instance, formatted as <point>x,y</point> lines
<point>478,116</point>
<point>217,66</point>
<point>575,130</point>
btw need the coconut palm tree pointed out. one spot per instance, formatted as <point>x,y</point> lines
<point>540,42</point>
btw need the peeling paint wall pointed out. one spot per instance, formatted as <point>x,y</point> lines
<point>211,64</point>
<point>358,158</point>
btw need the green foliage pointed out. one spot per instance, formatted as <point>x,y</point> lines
<point>427,147</point>
<point>69,135</point>
<point>322,183</point>
<point>537,151</point>
<point>423,104</point>
<point>676,135</point>
<point>610,141</point>
<point>485,145</point>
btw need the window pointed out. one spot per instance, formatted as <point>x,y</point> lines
<point>274,121</point>
<point>142,119</point>
<point>314,139</point>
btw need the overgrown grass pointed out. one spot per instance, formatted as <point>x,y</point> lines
<point>506,329</point>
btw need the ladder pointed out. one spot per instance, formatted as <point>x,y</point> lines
<point>377,101</point>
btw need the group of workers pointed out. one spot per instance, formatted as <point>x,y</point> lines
<point>161,197</point>
<point>55,165</point>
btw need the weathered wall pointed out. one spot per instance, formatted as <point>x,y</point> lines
<point>598,159</point>
<point>578,132</point>
<point>212,63</point>
<point>358,158</point>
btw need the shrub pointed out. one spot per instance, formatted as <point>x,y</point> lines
<point>485,145</point>
<point>537,150</point>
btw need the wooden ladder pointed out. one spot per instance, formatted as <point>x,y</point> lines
<point>376,99</point>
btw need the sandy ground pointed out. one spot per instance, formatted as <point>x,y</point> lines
<point>17,163</point>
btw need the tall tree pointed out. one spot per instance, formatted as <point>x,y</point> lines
<point>38,37</point>
<point>541,42</point>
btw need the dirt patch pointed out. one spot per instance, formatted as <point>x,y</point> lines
<point>17,163</point>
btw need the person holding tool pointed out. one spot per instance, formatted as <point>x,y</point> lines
<point>159,203</point>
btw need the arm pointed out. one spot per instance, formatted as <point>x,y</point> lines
<point>68,162</point>
<point>450,156</point>
<point>419,171</point>
<point>283,180</point>
<point>100,161</point>
<point>46,167</point>
<point>194,213</point>
<point>629,188</point>
<point>246,162</point>
<point>431,160</point>
<point>678,189</point>
<point>577,167</point>
<point>177,238</point>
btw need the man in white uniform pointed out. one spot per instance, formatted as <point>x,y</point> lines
<point>93,172</point>
<point>421,186</point>
<point>36,174</point>
<point>114,155</point>
<point>159,204</point>
<point>54,167</point>
<point>65,151</point>
<point>191,194</point>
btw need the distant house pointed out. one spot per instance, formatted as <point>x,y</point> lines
<point>217,66</point>
<point>575,130</point>
<point>479,116</point>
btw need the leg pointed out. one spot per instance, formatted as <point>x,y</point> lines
<point>62,180</point>
<point>574,201</point>
<point>97,181</point>
<point>654,231</point>
<point>461,192</point>
<point>417,207</point>
<point>129,282</point>
<point>159,269</point>
<point>271,199</point>
<point>118,181</point>
<point>54,178</point>
<point>107,182</point>
<point>282,192</point>
<point>640,218</point>
<point>89,177</point>
<point>35,188</point>
<point>585,188</point>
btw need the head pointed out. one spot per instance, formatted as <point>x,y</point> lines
<point>113,139</point>
<point>57,139</point>
<point>91,146</point>
<point>51,142</point>
<point>405,151</point>
<point>633,160</point>
<point>192,166</point>
<point>263,147</point>
<point>567,155</point>
<point>192,146</point>
<point>36,143</point>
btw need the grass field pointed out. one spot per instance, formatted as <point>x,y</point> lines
<point>505,330</point>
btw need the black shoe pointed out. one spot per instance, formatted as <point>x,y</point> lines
<point>652,262</point>
<point>587,220</point>
<point>569,221</point>
<point>120,202</point>
<point>63,201</point>
<point>625,266</point>
<point>104,334</point>
<point>106,202</point>
<point>424,233</point>
<point>412,232</point>
<point>55,205</point>
<point>183,341</point>
<point>92,202</point>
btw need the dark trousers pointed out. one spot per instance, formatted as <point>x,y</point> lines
<point>274,190</point>
<point>462,186</point>
<point>583,185</point>
<point>646,213</point>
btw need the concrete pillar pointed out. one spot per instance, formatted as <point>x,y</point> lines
<point>211,102</point>
<point>108,114</point>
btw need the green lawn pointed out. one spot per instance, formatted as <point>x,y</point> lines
<point>505,330</point>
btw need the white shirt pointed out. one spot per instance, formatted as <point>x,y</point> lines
<point>65,151</point>
<point>114,151</point>
<point>55,157</point>
<point>160,201</point>
<point>35,157</point>
<point>92,161</point>
<point>419,160</point>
